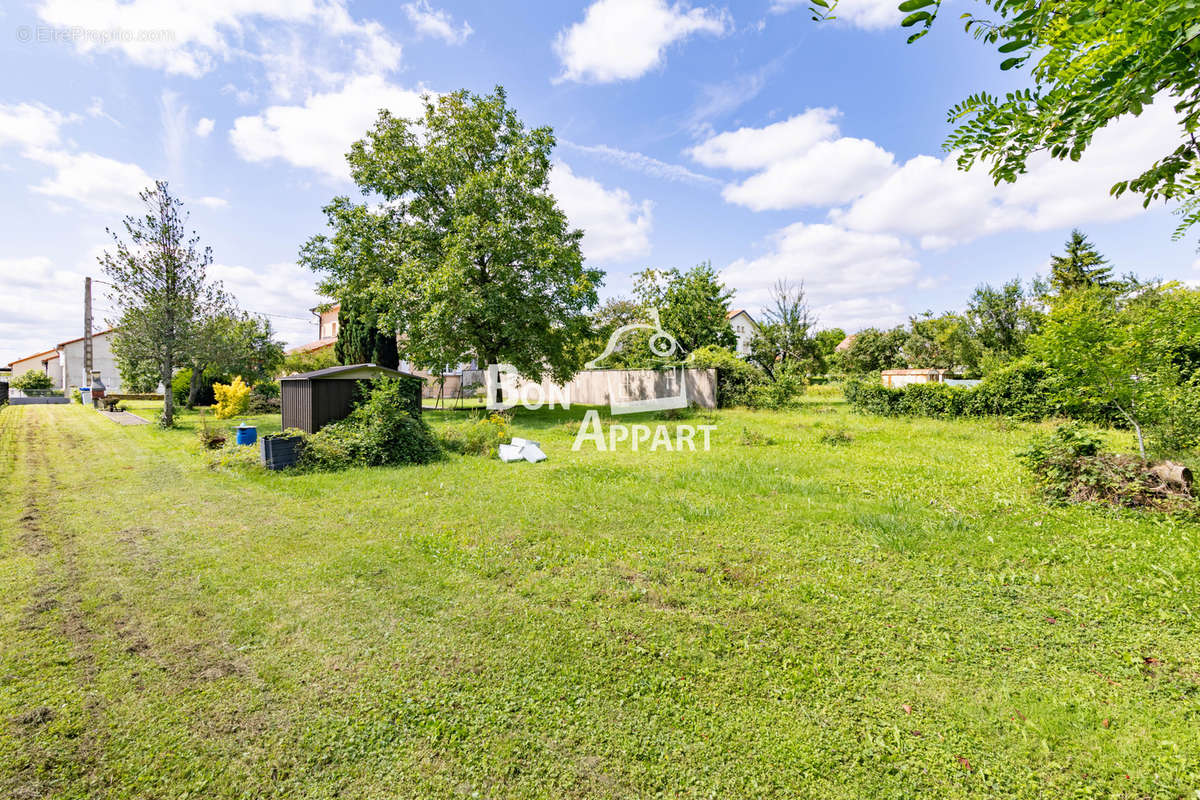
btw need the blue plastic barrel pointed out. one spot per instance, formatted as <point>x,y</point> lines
<point>85,395</point>
<point>247,434</point>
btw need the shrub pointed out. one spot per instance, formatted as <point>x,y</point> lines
<point>1023,390</point>
<point>872,398</point>
<point>780,393</point>
<point>837,438</point>
<point>232,399</point>
<point>210,438</point>
<point>380,431</point>
<point>1176,419</point>
<point>264,398</point>
<point>756,439</point>
<point>1070,466</point>
<point>181,386</point>
<point>736,378</point>
<point>32,381</point>
<point>477,436</point>
<point>76,396</point>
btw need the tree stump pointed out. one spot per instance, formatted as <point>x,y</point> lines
<point>1174,476</point>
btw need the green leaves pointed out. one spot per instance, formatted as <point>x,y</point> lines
<point>1091,62</point>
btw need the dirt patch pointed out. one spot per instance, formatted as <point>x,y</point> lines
<point>35,716</point>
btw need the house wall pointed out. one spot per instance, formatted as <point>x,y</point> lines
<point>39,363</point>
<point>70,357</point>
<point>744,328</point>
<point>328,328</point>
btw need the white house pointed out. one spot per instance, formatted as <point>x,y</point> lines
<point>70,362</point>
<point>64,364</point>
<point>744,328</point>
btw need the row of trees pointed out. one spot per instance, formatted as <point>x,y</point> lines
<point>996,327</point>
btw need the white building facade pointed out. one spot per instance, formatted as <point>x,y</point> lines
<point>744,328</point>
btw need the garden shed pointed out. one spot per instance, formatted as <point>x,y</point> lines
<point>312,400</point>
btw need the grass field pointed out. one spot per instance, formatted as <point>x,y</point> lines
<point>887,613</point>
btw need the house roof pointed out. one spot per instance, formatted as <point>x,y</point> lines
<point>320,344</point>
<point>334,307</point>
<point>845,344</point>
<point>921,371</point>
<point>81,338</point>
<point>735,312</point>
<point>52,353</point>
<point>347,372</point>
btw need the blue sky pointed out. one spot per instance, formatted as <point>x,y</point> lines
<point>741,132</point>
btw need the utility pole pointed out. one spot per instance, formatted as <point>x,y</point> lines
<point>87,332</point>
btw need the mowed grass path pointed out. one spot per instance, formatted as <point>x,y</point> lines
<point>896,616</point>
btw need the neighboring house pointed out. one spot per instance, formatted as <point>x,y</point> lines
<point>64,364</point>
<point>70,363</point>
<point>744,328</point>
<point>846,344</point>
<point>327,331</point>
<point>46,363</point>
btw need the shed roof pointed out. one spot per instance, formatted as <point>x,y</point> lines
<point>350,372</point>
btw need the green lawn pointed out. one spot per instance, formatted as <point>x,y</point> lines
<point>891,616</point>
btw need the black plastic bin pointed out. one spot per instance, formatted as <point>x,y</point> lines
<point>280,451</point>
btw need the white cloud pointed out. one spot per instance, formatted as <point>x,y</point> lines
<point>867,14</point>
<point>615,227</point>
<point>94,181</point>
<point>174,116</point>
<point>932,199</point>
<point>285,291</point>
<point>204,126</point>
<point>828,174</point>
<point>193,36</point>
<point>857,313</point>
<point>31,125</point>
<point>209,201</point>
<point>801,162</point>
<point>318,134</point>
<point>644,164</point>
<point>43,304</point>
<point>835,264</point>
<point>624,39</point>
<point>753,148</point>
<point>429,21</point>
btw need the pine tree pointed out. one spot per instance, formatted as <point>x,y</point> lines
<point>361,341</point>
<point>1081,267</point>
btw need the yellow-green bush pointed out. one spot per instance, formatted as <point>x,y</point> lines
<point>232,399</point>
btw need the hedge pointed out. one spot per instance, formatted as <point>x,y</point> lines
<point>1022,390</point>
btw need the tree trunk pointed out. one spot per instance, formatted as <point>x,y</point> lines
<point>194,386</point>
<point>1137,429</point>
<point>168,415</point>
<point>1174,476</point>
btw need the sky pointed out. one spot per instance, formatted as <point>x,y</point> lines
<point>740,133</point>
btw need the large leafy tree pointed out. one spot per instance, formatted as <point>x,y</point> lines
<point>1122,352</point>
<point>1091,62</point>
<point>692,305</point>
<point>941,342</point>
<point>1002,320</point>
<point>160,287</point>
<point>873,350</point>
<point>462,249</point>
<point>229,342</point>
